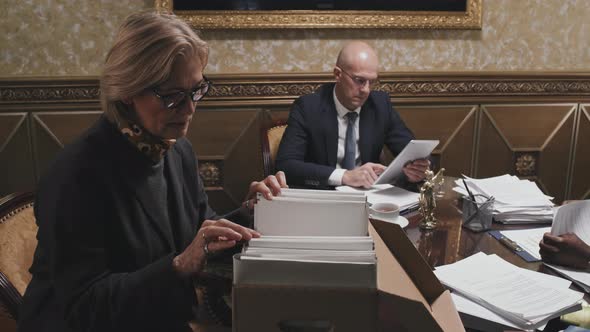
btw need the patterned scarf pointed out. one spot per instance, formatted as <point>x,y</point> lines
<point>152,146</point>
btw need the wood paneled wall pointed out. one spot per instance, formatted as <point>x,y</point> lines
<point>535,126</point>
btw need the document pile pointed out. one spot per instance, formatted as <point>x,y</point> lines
<point>310,238</point>
<point>573,218</point>
<point>516,201</point>
<point>512,296</point>
<point>405,199</point>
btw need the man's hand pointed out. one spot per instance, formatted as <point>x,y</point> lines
<point>363,176</point>
<point>567,249</point>
<point>415,170</point>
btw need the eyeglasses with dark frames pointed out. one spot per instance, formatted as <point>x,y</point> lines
<point>361,81</point>
<point>175,100</point>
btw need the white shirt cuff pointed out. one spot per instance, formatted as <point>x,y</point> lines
<point>335,178</point>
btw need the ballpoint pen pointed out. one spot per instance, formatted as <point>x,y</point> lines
<point>468,191</point>
<point>510,244</point>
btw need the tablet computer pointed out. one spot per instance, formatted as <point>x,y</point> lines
<point>416,149</point>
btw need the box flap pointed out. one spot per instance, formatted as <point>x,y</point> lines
<point>409,258</point>
<point>410,298</point>
<point>398,313</point>
<point>445,313</point>
<point>391,276</point>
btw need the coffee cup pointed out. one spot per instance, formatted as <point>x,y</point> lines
<point>384,211</point>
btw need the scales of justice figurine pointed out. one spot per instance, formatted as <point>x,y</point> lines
<point>427,198</point>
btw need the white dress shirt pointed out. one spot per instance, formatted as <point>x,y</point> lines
<point>335,178</point>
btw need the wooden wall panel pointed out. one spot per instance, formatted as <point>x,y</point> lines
<point>554,159</point>
<point>494,155</point>
<point>227,145</point>
<point>580,185</point>
<point>16,164</point>
<point>53,130</point>
<point>488,123</point>
<point>528,140</point>
<point>454,126</point>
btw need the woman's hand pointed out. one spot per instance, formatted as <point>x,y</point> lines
<point>269,187</point>
<point>213,236</point>
<point>567,249</point>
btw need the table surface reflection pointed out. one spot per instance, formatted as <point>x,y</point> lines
<point>449,242</point>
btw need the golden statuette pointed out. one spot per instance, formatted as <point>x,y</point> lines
<point>427,198</point>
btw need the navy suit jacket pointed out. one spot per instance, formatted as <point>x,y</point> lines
<point>308,150</point>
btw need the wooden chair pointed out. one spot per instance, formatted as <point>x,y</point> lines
<point>18,240</point>
<point>270,139</point>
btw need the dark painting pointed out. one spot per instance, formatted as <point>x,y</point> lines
<point>362,5</point>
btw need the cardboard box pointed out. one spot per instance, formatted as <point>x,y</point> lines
<point>408,297</point>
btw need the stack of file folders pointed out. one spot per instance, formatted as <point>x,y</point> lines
<point>309,238</point>
<point>515,201</point>
<point>490,289</point>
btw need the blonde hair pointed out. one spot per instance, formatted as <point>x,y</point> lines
<point>143,54</point>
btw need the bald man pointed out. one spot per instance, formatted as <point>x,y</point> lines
<point>335,135</point>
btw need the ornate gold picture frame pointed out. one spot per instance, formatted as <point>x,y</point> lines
<point>471,18</point>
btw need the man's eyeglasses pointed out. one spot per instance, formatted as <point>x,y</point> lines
<point>177,99</point>
<point>361,81</point>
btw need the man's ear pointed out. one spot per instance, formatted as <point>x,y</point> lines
<point>337,73</point>
<point>127,101</point>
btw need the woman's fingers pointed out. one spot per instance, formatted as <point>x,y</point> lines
<point>282,179</point>
<point>244,233</point>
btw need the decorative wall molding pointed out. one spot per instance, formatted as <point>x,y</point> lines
<point>211,172</point>
<point>260,87</point>
<point>526,163</point>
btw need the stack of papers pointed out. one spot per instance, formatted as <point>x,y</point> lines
<point>301,212</point>
<point>523,298</point>
<point>309,238</point>
<point>516,201</point>
<point>337,261</point>
<point>405,199</point>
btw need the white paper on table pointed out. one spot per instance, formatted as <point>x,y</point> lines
<point>528,239</point>
<point>581,278</point>
<point>386,193</point>
<point>513,293</point>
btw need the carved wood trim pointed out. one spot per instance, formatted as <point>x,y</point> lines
<point>248,89</point>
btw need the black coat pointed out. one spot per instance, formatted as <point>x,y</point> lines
<point>104,258</point>
<point>308,150</point>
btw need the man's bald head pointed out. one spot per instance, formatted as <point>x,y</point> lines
<point>357,53</point>
<point>356,68</point>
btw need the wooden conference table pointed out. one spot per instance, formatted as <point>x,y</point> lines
<point>450,242</point>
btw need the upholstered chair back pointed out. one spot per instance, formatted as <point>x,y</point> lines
<point>18,240</point>
<point>271,138</point>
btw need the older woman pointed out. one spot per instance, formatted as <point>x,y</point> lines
<point>124,223</point>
